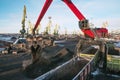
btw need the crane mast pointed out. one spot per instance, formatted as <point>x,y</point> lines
<point>22,31</point>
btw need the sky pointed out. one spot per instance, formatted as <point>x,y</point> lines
<point>96,11</point>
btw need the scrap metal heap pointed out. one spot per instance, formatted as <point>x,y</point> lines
<point>50,55</point>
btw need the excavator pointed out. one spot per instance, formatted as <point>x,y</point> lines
<point>83,22</point>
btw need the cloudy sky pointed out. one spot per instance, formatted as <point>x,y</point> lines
<point>96,11</point>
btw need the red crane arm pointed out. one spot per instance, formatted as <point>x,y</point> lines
<point>44,9</point>
<point>46,6</point>
<point>74,9</point>
<point>79,16</point>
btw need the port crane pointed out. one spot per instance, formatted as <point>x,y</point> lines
<point>83,25</point>
<point>83,22</point>
<point>23,31</point>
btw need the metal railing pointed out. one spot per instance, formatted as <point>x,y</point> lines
<point>61,70</point>
<point>89,67</point>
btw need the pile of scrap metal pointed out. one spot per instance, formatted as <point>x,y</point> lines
<point>18,46</point>
<point>49,58</point>
<point>67,70</point>
<point>6,46</point>
<point>24,44</point>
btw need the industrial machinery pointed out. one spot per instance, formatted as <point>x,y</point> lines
<point>84,26</point>
<point>23,31</point>
<point>83,22</point>
<point>88,32</point>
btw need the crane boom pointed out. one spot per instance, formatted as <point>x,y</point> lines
<point>44,9</point>
<point>74,9</point>
<point>46,6</point>
<point>83,22</point>
<point>82,19</point>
